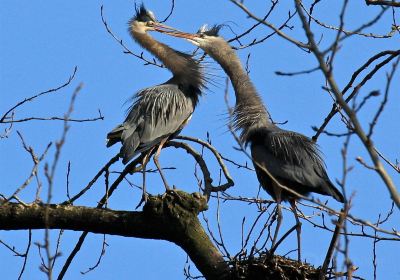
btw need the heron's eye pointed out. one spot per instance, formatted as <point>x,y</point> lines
<point>150,24</point>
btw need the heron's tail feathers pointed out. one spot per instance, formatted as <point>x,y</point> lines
<point>335,193</point>
<point>130,142</point>
<point>114,136</point>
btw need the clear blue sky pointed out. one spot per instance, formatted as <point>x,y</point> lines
<point>41,43</point>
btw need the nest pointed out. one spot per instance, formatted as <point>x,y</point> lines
<point>274,268</point>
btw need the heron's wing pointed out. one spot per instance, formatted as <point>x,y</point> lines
<point>294,158</point>
<point>293,147</point>
<point>157,112</point>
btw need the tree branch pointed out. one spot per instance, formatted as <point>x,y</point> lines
<point>171,217</point>
<point>367,142</point>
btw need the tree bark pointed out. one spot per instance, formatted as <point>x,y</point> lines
<point>171,217</point>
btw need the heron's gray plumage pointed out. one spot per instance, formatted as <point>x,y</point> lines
<point>294,161</point>
<point>159,112</point>
<point>291,158</point>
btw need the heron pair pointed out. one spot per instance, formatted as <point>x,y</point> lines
<point>287,164</point>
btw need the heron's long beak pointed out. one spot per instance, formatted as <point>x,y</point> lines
<point>192,38</point>
<point>164,28</point>
<point>180,34</point>
<point>177,33</point>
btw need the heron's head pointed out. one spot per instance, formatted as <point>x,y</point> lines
<point>145,20</point>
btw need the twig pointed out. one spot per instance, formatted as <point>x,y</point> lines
<point>121,43</point>
<point>68,172</point>
<point>336,108</point>
<point>332,245</point>
<point>348,32</point>
<point>220,230</point>
<point>199,159</point>
<point>39,94</point>
<point>25,255</point>
<point>219,159</point>
<point>36,161</point>
<point>102,253</point>
<point>170,12</point>
<point>280,73</point>
<point>100,117</point>
<point>236,38</point>
<point>90,184</point>
<point>389,78</point>
<point>279,32</point>
<point>131,166</point>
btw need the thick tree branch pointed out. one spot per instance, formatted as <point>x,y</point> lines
<point>171,217</point>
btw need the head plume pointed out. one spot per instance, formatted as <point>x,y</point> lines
<point>143,15</point>
<point>213,31</point>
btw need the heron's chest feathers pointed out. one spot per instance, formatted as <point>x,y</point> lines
<point>190,91</point>
<point>161,103</point>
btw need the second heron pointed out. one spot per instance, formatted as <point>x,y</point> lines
<point>287,163</point>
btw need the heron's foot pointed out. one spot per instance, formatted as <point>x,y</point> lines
<point>144,199</point>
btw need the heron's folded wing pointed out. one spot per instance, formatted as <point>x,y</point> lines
<point>292,157</point>
<point>157,112</point>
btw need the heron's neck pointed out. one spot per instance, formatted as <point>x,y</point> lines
<point>181,65</point>
<point>249,112</point>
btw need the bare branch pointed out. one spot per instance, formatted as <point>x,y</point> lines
<point>39,94</point>
<point>389,78</point>
<point>277,30</point>
<point>170,12</point>
<point>349,112</point>
<point>391,3</point>
<point>126,49</point>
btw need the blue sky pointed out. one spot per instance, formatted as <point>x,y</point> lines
<point>42,42</point>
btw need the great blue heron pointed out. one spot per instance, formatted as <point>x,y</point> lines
<point>160,112</point>
<point>280,157</point>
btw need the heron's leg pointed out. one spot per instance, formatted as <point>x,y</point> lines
<point>158,164</point>
<point>278,223</point>
<point>298,228</point>
<point>277,191</point>
<point>144,164</point>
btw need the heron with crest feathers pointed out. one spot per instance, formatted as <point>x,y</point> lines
<point>158,113</point>
<point>287,163</point>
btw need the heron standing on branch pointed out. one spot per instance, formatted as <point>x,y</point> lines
<point>158,113</point>
<point>284,160</point>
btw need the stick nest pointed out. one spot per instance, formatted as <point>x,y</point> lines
<point>273,268</point>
